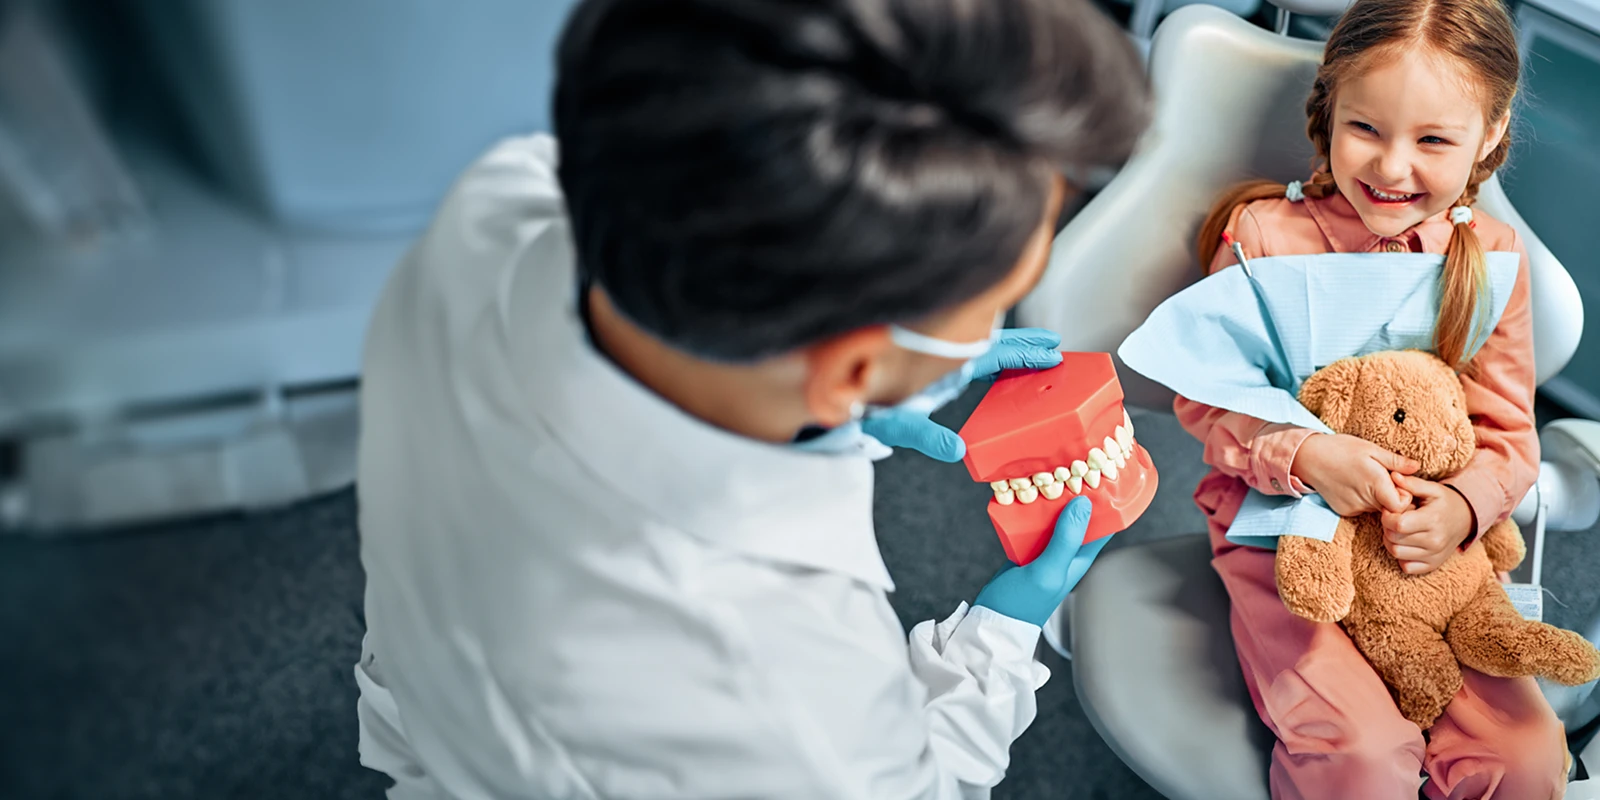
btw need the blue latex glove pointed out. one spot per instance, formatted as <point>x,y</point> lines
<point>1017,348</point>
<point>1033,592</point>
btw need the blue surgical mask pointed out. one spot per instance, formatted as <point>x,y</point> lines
<point>849,436</point>
<point>936,395</point>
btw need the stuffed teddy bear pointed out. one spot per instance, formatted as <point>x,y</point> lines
<point>1416,630</point>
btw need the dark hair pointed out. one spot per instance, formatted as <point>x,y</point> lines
<point>746,177</point>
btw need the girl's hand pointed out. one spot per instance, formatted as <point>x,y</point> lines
<point>1352,474</point>
<point>1422,538</point>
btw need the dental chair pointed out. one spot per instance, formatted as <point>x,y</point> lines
<point>1153,660</point>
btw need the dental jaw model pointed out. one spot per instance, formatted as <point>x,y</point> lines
<point>1040,439</point>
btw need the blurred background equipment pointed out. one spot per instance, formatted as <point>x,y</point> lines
<point>201,200</point>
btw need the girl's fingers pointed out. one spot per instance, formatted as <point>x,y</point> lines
<point>1422,489</point>
<point>1390,521</point>
<point>1405,525</point>
<point>1388,497</point>
<point>1407,553</point>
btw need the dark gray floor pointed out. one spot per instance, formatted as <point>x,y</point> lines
<point>212,659</point>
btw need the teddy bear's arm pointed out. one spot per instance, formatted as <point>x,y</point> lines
<point>1314,577</point>
<point>1504,545</point>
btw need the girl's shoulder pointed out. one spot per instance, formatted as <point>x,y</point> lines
<point>1496,235</point>
<point>1271,211</point>
<point>1276,226</point>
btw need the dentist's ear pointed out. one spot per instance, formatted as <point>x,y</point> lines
<point>842,374</point>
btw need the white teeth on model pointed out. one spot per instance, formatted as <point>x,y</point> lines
<point>1106,462</point>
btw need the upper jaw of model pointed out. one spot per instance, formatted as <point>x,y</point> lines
<point>1103,462</point>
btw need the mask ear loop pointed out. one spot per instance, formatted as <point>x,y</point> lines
<point>927,345</point>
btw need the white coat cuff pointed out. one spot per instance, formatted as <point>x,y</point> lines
<point>974,642</point>
<point>979,669</point>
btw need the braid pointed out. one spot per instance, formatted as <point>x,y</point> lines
<point>1484,169</point>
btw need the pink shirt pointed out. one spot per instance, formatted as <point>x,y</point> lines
<point>1247,453</point>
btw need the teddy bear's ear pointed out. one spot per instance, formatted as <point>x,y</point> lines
<point>1330,392</point>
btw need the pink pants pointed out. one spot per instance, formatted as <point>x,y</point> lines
<point>1339,734</point>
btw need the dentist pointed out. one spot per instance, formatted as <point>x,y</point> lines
<point>620,403</point>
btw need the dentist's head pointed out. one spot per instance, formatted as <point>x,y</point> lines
<point>766,195</point>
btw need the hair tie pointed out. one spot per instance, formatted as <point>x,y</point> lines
<point>1294,191</point>
<point>1461,215</point>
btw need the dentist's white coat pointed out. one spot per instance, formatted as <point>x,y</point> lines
<point>575,590</point>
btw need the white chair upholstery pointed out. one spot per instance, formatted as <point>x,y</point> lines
<point>1153,657</point>
<point>1314,8</point>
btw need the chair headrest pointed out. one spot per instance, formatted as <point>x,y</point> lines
<point>1313,8</point>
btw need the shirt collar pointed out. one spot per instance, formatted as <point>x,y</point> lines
<point>1342,226</point>
<point>771,501</point>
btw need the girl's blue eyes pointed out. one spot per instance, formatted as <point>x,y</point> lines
<point>1374,131</point>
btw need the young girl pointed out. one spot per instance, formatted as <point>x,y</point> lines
<point>1408,116</point>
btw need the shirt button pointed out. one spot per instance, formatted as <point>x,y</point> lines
<point>1276,487</point>
<point>1396,246</point>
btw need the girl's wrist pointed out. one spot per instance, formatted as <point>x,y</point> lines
<point>1297,466</point>
<point>1470,532</point>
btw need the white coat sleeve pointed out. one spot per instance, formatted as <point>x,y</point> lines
<point>863,716</point>
<point>981,676</point>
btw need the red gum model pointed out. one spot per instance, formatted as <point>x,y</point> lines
<point>1046,433</point>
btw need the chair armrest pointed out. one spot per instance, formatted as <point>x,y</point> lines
<point>1572,441</point>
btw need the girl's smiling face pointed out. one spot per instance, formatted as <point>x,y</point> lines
<point>1405,137</point>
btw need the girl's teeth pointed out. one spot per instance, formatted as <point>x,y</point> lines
<point>1392,198</point>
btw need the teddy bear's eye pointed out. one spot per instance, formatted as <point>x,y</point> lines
<point>1400,415</point>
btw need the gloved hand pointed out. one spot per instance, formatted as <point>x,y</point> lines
<point>1017,348</point>
<point>1032,593</point>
